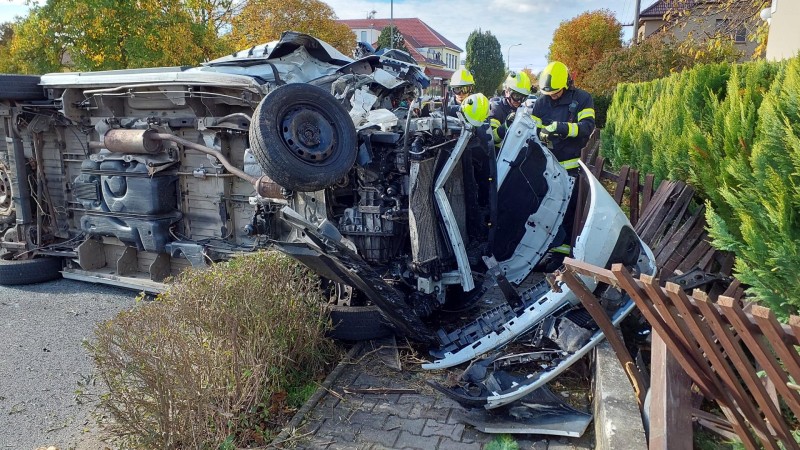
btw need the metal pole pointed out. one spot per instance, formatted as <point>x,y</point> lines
<point>508,56</point>
<point>636,21</point>
<point>391,25</point>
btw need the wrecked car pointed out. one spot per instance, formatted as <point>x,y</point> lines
<point>415,224</point>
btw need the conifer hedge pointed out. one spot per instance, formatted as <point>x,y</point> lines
<point>733,132</point>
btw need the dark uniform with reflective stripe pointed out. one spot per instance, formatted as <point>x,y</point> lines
<point>576,108</point>
<point>499,110</point>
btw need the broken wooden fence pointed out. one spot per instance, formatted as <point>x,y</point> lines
<point>724,350</point>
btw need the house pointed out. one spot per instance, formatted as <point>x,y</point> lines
<point>438,55</point>
<point>704,19</point>
<point>784,34</point>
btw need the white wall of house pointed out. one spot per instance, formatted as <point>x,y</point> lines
<point>784,32</point>
<point>368,35</point>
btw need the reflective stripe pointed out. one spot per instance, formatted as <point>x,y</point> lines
<point>537,120</point>
<point>585,113</point>
<point>563,248</point>
<point>570,163</point>
<point>573,129</point>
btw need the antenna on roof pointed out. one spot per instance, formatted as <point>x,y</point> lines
<point>371,14</point>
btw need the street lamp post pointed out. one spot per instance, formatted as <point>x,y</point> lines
<point>508,56</point>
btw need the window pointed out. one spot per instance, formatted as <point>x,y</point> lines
<point>741,35</point>
<point>363,36</point>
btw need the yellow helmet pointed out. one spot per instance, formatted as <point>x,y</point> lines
<point>554,77</point>
<point>462,77</point>
<point>475,109</point>
<point>519,82</point>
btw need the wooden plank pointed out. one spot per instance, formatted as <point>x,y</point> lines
<point>647,191</point>
<point>634,197</point>
<point>707,259</point>
<point>721,366</point>
<point>670,399</point>
<point>597,170</point>
<point>726,261</point>
<point>685,247</point>
<point>732,288</point>
<point>622,181</point>
<point>611,333</point>
<point>649,234</point>
<point>676,222</point>
<point>687,356</point>
<point>666,250</point>
<point>655,211</point>
<point>675,212</point>
<point>691,260</point>
<point>736,317</point>
<point>794,323</point>
<point>746,370</point>
<point>773,331</point>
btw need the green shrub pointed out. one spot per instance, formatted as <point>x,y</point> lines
<point>209,363</point>
<point>733,131</point>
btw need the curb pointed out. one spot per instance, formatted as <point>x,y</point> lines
<point>617,421</point>
<point>312,401</point>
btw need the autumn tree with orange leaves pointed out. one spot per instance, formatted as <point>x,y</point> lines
<point>264,20</point>
<point>581,42</point>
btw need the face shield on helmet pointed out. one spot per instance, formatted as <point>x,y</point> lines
<point>475,109</point>
<point>554,77</point>
<point>518,86</point>
<point>462,83</point>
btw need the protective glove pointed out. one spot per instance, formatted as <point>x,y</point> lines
<point>510,119</point>
<point>560,129</point>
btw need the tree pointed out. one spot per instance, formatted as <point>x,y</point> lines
<point>581,42</point>
<point>111,34</point>
<point>534,77</point>
<point>731,18</point>
<point>391,37</point>
<point>485,61</point>
<point>262,21</point>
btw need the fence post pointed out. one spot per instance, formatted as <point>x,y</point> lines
<point>670,400</point>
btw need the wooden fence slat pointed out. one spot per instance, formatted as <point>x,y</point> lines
<point>675,212</point>
<point>688,356</point>
<point>689,242</point>
<point>690,262</point>
<point>655,212</point>
<point>774,333</point>
<point>666,250</point>
<point>735,316</point>
<point>707,259</point>
<point>600,317</point>
<point>622,181</point>
<point>794,323</point>
<point>634,196</point>
<point>681,302</point>
<point>748,373</point>
<point>647,192</point>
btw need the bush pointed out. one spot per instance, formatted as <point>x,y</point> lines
<point>211,360</point>
<point>733,131</point>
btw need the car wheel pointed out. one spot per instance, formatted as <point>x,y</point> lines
<point>7,214</point>
<point>357,323</point>
<point>20,87</point>
<point>29,271</point>
<point>303,138</point>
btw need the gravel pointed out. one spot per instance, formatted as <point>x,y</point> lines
<point>48,384</point>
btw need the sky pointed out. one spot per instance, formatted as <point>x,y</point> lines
<point>530,23</point>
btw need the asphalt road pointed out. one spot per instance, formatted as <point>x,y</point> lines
<point>44,366</point>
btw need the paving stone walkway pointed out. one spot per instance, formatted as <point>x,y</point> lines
<point>371,406</point>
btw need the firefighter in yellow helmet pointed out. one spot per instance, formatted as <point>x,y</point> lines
<point>565,116</point>
<point>462,84</point>
<point>517,87</point>
<point>564,113</point>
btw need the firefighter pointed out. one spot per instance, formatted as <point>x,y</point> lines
<point>565,117</point>
<point>462,84</point>
<point>564,113</point>
<point>517,88</point>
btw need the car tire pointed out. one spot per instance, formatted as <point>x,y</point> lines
<point>303,138</point>
<point>29,271</point>
<point>357,323</point>
<point>7,214</point>
<point>21,87</point>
